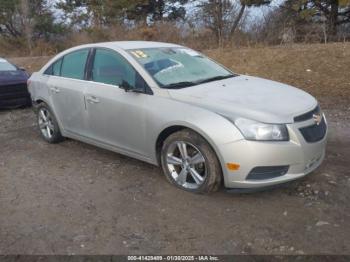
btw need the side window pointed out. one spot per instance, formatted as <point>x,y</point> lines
<point>111,68</point>
<point>56,68</point>
<point>73,65</point>
<point>48,71</point>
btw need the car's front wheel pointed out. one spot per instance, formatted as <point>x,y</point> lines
<point>48,125</point>
<point>190,163</point>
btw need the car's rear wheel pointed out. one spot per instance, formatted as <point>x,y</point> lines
<point>48,125</point>
<point>190,163</point>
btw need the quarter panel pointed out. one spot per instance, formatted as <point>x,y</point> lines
<point>39,91</point>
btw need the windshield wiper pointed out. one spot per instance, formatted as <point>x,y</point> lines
<point>188,83</point>
<point>180,85</point>
<point>215,78</point>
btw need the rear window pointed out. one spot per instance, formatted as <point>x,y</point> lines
<point>6,66</point>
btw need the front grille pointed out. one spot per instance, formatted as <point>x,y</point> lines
<point>13,91</point>
<point>307,115</point>
<point>267,172</point>
<point>315,132</point>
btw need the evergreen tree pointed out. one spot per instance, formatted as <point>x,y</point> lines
<point>29,20</point>
<point>333,12</point>
<point>97,13</point>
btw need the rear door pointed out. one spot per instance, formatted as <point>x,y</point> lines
<point>67,86</point>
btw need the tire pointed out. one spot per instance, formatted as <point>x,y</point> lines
<point>198,150</point>
<point>54,135</point>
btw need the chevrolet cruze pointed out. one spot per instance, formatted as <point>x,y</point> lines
<point>174,107</point>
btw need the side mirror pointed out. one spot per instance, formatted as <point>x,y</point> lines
<point>126,86</point>
<point>129,88</point>
<point>22,69</point>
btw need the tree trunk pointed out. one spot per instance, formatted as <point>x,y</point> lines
<point>28,30</point>
<point>238,19</point>
<point>220,23</point>
<point>333,19</point>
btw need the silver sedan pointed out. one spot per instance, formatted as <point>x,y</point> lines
<point>174,107</point>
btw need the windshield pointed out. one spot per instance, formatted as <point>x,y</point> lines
<point>6,66</point>
<point>179,67</point>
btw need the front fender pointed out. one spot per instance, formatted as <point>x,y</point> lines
<point>216,129</point>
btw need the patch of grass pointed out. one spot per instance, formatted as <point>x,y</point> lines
<point>322,70</point>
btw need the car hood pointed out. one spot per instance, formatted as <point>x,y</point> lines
<point>13,77</point>
<point>249,97</point>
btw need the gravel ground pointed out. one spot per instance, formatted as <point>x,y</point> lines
<point>73,198</point>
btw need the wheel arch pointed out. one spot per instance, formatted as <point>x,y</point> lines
<point>166,132</point>
<point>39,100</point>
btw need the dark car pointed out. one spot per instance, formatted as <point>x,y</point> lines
<point>13,86</point>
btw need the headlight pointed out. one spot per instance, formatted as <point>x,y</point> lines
<point>253,130</point>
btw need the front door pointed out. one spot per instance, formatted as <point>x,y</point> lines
<point>116,117</point>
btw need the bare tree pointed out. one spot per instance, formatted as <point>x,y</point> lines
<point>27,23</point>
<point>218,16</point>
<point>244,5</point>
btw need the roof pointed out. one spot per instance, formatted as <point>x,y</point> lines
<point>127,45</point>
<point>124,45</point>
<point>141,44</point>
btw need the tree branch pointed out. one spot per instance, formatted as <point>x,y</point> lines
<point>238,19</point>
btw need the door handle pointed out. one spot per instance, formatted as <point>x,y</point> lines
<point>55,89</point>
<point>93,100</point>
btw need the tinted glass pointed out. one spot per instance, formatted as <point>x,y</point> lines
<point>56,68</point>
<point>111,68</point>
<point>48,71</point>
<point>173,65</point>
<point>6,66</point>
<point>73,65</point>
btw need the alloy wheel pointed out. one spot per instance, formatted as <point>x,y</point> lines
<point>186,164</point>
<point>45,123</point>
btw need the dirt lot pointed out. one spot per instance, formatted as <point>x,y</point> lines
<point>73,198</point>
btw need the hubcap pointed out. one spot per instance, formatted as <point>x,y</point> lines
<point>186,164</point>
<point>45,123</point>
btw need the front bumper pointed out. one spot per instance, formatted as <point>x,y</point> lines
<point>14,95</point>
<point>15,102</point>
<point>301,157</point>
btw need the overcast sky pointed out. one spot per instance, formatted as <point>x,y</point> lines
<point>258,12</point>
